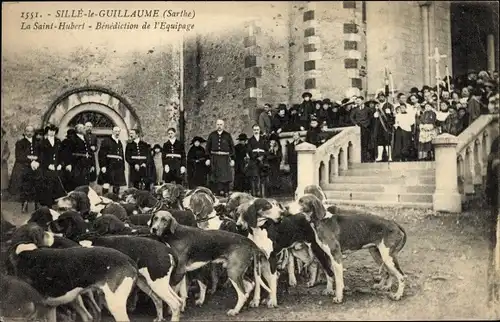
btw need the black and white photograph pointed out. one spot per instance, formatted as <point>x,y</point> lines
<point>250,161</point>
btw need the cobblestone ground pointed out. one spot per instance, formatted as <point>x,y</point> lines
<point>445,259</point>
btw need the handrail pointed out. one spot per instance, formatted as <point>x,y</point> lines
<point>473,130</point>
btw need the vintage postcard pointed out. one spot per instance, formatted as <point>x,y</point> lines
<point>244,160</point>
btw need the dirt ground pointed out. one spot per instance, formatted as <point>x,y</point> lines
<point>445,259</point>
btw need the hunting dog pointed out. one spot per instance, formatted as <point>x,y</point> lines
<point>336,233</point>
<point>275,232</point>
<point>78,269</point>
<point>196,248</point>
<point>21,301</point>
<point>155,260</point>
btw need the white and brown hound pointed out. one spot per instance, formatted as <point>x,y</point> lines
<point>336,233</point>
<point>196,248</point>
<point>156,261</point>
<point>78,269</point>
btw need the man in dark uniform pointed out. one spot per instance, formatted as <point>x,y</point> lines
<point>92,142</point>
<point>220,147</point>
<point>79,160</point>
<point>240,158</point>
<point>26,172</point>
<point>383,127</point>
<point>51,166</point>
<point>112,163</point>
<point>258,168</point>
<point>362,117</point>
<point>137,155</point>
<point>174,158</point>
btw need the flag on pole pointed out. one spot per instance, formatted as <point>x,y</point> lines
<point>386,82</point>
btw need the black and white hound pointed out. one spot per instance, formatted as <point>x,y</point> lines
<point>156,262</point>
<point>337,233</point>
<point>77,269</point>
<point>196,248</point>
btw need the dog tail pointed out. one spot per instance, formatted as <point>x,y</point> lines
<point>257,271</point>
<point>403,241</point>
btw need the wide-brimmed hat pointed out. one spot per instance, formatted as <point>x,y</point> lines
<point>274,137</point>
<point>367,103</point>
<point>306,94</point>
<point>199,139</point>
<point>50,127</point>
<point>242,137</point>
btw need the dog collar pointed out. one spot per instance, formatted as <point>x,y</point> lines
<point>205,219</point>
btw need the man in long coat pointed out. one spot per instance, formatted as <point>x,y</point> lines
<point>220,148</point>
<point>258,166</point>
<point>78,159</point>
<point>138,157</point>
<point>26,171</point>
<point>492,193</point>
<point>112,163</point>
<point>174,158</point>
<point>92,142</point>
<point>383,126</point>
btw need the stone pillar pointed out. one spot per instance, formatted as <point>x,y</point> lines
<point>343,159</point>
<point>446,197</point>
<point>307,169</point>
<point>424,10</point>
<point>490,45</point>
<point>355,156</point>
<point>334,168</point>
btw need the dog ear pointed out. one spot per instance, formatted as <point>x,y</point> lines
<point>36,235</point>
<point>173,224</point>
<point>179,191</point>
<point>318,209</point>
<point>250,216</point>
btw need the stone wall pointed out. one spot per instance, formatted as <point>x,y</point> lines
<point>296,56</point>
<point>394,39</point>
<point>214,82</point>
<point>34,79</point>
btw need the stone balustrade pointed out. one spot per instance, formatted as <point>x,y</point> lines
<point>461,162</point>
<point>287,137</point>
<point>320,165</point>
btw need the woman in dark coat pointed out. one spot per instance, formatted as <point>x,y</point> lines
<point>314,134</point>
<point>196,168</point>
<point>65,156</point>
<point>274,157</point>
<point>51,166</point>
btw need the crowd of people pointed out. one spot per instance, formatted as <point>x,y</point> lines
<point>394,127</point>
<point>401,130</point>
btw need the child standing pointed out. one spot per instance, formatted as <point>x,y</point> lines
<point>428,132</point>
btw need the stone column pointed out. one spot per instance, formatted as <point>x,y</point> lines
<point>307,169</point>
<point>424,10</point>
<point>343,159</point>
<point>446,197</point>
<point>355,154</point>
<point>490,44</point>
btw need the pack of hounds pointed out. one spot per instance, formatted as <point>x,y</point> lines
<point>90,252</point>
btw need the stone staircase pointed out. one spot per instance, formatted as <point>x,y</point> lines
<point>400,184</point>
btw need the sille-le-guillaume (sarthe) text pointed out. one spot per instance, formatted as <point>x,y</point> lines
<point>106,24</point>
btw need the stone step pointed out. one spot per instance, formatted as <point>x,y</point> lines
<point>394,165</point>
<point>362,196</point>
<point>371,203</point>
<point>381,188</point>
<point>407,180</point>
<point>386,172</point>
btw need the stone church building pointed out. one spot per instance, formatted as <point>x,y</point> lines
<point>261,52</point>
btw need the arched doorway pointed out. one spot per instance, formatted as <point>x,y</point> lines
<point>100,106</point>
